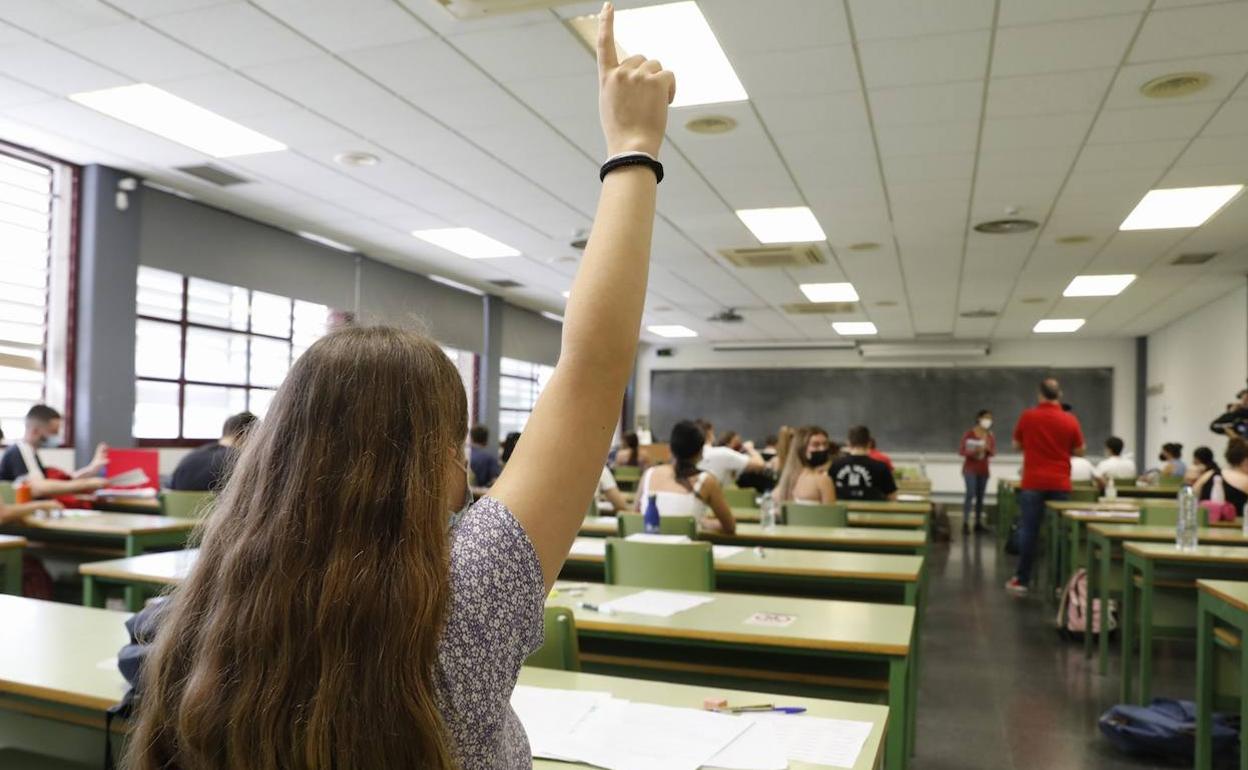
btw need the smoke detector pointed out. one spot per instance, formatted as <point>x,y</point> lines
<point>1176,84</point>
<point>711,124</point>
<point>356,159</point>
<point>727,316</point>
<point>1007,226</point>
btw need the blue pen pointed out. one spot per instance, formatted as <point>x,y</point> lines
<point>766,709</point>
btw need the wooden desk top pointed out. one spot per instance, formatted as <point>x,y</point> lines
<point>845,565</point>
<point>1076,514</point>
<point>11,541</point>
<point>118,524</point>
<point>61,652</point>
<point>1072,505</point>
<point>849,536</point>
<point>684,696</point>
<point>102,502</point>
<point>897,520</point>
<point>1233,592</point>
<point>1210,554</point>
<point>825,625</point>
<point>1139,532</point>
<point>165,568</point>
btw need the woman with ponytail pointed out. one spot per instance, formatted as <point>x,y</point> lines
<point>680,489</point>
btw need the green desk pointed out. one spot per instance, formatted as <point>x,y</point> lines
<point>124,504</point>
<point>1104,545</point>
<point>139,576</point>
<point>872,540</point>
<point>829,649</point>
<point>1222,605</point>
<point>882,507</point>
<point>1067,523</point>
<point>1161,564</point>
<point>1149,492</point>
<point>11,562</point>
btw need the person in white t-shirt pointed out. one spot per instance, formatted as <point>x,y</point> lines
<point>1114,466</point>
<point>609,489</point>
<point>727,464</point>
<point>1081,469</point>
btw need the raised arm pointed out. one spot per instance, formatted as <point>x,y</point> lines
<point>552,474</point>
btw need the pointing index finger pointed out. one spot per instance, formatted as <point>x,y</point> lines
<point>607,58</point>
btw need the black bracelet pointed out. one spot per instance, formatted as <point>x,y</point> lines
<point>632,159</point>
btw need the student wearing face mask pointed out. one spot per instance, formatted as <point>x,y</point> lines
<point>978,445</point>
<point>805,478</point>
<point>43,429</point>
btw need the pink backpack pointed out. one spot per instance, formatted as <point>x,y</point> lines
<point>1219,511</point>
<point>1072,611</point>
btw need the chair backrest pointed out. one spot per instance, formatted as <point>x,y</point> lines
<point>7,495</point>
<point>680,566</point>
<point>560,650</point>
<point>1125,481</point>
<point>798,514</point>
<point>740,498</point>
<point>1084,495</point>
<point>630,474</point>
<point>185,505</point>
<point>633,523</point>
<point>1168,516</point>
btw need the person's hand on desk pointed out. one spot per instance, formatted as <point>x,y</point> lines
<point>23,511</point>
<point>93,484</point>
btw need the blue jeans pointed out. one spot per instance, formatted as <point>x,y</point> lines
<point>1031,506</point>
<point>975,486</point>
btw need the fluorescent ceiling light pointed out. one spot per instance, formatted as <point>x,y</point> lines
<point>672,330</point>
<point>466,242</point>
<point>1058,325</point>
<point>1098,285</point>
<point>160,112</point>
<point>330,242</point>
<point>556,318</point>
<point>829,292</point>
<point>783,225</point>
<point>854,328</point>
<point>1179,207</point>
<point>457,285</point>
<point>677,35</point>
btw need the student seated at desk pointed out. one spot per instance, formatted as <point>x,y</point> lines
<point>206,469</point>
<point>682,488</point>
<point>43,429</point>
<point>483,462</point>
<point>724,463</point>
<point>1202,461</point>
<point>1234,476</point>
<point>857,475</point>
<point>608,488</point>
<point>805,478</point>
<point>338,615</point>
<point>1115,465</point>
<point>629,454</point>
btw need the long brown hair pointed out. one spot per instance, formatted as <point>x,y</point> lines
<point>307,634</point>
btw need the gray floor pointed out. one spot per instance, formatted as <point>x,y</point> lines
<point>1000,690</point>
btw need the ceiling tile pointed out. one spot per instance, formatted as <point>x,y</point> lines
<point>138,52</point>
<point>562,96</point>
<point>229,94</point>
<point>1230,120</point>
<point>927,139</point>
<point>14,94</point>
<point>50,17</point>
<point>393,65</point>
<point>798,72</point>
<point>1039,161</point>
<point>923,60</point>
<point>918,105</point>
<point>1152,156</point>
<point>837,113</point>
<point>883,19</point>
<point>1146,124</point>
<point>343,26</point>
<point>237,34</point>
<point>1190,32</point>
<point>1035,131</point>
<point>1048,94</point>
<point>535,51</point>
<point>54,69</point>
<point>1213,150</point>
<point>747,27</point>
<point>900,169</point>
<point>1016,12</point>
<point>1062,46</point>
<point>146,9</point>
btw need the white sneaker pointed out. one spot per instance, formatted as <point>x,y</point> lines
<point>1016,588</point>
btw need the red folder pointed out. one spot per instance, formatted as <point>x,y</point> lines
<point>146,460</point>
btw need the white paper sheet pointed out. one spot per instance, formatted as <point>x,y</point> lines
<point>659,604</point>
<point>835,742</point>
<point>725,551</point>
<point>135,477</point>
<point>550,715</point>
<point>674,738</point>
<point>589,546</point>
<point>650,537</point>
<point>758,748</point>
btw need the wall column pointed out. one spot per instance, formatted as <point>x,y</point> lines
<point>490,361</point>
<point>1141,401</point>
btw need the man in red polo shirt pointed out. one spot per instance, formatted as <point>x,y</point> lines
<point>1048,436</point>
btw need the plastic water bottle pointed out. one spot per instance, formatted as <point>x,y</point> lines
<point>1244,518</point>
<point>1186,534</point>
<point>1218,493</point>
<point>767,512</point>
<point>1111,490</point>
<point>651,517</point>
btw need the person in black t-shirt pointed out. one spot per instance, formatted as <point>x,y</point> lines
<point>206,469</point>
<point>1234,422</point>
<point>857,476</point>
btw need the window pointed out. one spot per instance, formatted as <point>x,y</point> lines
<point>36,197</point>
<point>206,350</point>
<point>519,385</point>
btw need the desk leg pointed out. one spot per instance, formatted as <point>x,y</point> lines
<point>1128,629</point>
<point>1204,683</point>
<point>896,754</point>
<point>1106,558</point>
<point>1146,631</point>
<point>1091,596</point>
<point>92,596</point>
<point>11,561</point>
<point>912,695</point>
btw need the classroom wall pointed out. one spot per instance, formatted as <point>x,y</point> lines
<point>1196,365</point>
<point>530,337</point>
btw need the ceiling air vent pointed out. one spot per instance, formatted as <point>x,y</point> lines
<point>1007,226</point>
<point>481,9</point>
<point>820,308</point>
<point>983,313</point>
<point>1176,84</point>
<point>505,283</point>
<point>934,336</point>
<point>727,316</point>
<point>1194,258</point>
<point>213,175</point>
<point>803,255</point>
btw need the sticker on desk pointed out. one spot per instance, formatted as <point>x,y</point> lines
<point>772,619</point>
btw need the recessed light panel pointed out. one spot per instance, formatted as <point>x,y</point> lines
<point>457,285</point>
<point>1098,285</point>
<point>160,112</point>
<point>829,292</point>
<point>1178,207</point>
<point>854,328</point>
<point>672,331</point>
<point>567,294</point>
<point>795,224</point>
<point>466,242</point>
<point>1058,325</point>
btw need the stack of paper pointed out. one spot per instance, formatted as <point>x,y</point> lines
<point>550,715</point>
<point>589,546</point>
<point>659,604</point>
<point>725,551</point>
<point>649,537</point>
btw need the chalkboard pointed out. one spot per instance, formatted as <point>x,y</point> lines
<point>908,410</point>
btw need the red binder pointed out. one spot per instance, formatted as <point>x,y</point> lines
<point>146,460</point>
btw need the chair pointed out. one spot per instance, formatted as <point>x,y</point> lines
<point>1168,516</point>
<point>798,514</point>
<point>1085,495</point>
<point>679,566</point>
<point>1125,482</point>
<point>185,505</point>
<point>627,476</point>
<point>7,495</point>
<point>633,523</point>
<point>560,651</point>
<point>738,497</point>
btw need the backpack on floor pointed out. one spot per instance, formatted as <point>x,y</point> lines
<point>1166,728</point>
<point>1072,610</point>
<point>130,659</point>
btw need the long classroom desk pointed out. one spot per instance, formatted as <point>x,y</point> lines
<point>1222,619</point>
<point>858,518</point>
<point>872,540</point>
<point>819,648</point>
<point>140,576</point>
<point>1104,545</point>
<point>58,675</point>
<point>1162,564</point>
<point>11,562</point>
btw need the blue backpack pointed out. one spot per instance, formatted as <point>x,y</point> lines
<point>1165,727</point>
